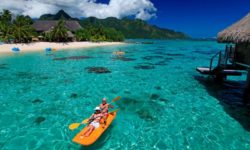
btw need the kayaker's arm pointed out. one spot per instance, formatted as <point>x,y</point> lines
<point>91,118</point>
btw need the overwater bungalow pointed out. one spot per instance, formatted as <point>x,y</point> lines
<point>43,26</point>
<point>236,57</point>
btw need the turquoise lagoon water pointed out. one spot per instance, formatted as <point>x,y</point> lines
<point>165,103</point>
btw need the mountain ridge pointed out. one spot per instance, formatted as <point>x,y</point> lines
<point>130,28</point>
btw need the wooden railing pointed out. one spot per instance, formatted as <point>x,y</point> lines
<point>212,60</point>
<point>223,58</point>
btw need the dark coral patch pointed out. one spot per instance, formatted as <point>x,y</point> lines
<point>158,88</point>
<point>146,115</point>
<point>169,54</point>
<point>124,59</point>
<point>163,100</point>
<point>79,57</point>
<point>144,67</point>
<point>73,58</point>
<point>3,66</point>
<point>39,120</point>
<point>62,58</point>
<point>97,70</point>
<point>73,95</point>
<point>44,77</point>
<point>24,74</point>
<point>154,96</point>
<point>145,63</point>
<point>37,101</point>
<point>128,101</point>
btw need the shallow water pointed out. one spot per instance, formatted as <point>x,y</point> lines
<point>165,103</point>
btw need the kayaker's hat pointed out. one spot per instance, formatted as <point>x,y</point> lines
<point>104,99</point>
<point>97,108</point>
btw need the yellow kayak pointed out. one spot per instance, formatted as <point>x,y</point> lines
<point>87,141</point>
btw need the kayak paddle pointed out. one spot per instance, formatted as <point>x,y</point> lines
<point>85,121</point>
<point>73,126</point>
<point>116,99</point>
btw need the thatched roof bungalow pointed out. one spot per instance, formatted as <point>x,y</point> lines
<point>43,26</point>
<point>239,34</point>
<point>46,25</point>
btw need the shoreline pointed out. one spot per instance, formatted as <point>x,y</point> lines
<point>41,46</point>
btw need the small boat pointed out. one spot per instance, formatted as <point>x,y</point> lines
<point>15,49</point>
<point>87,141</point>
<point>48,49</point>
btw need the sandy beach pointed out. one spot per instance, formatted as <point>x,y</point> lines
<point>39,46</point>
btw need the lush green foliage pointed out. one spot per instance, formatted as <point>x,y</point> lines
<point>82,35</point>
<point>95,34</point>
<point>109,29</point>
<point>5,25</point>
<point>19,30</point>
<point>59,32</point>
<point>5,16</point>
<point>22,30</point>
<point>133,28</point>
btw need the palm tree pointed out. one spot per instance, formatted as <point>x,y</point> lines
<point>59,32</point>
<point>6,16</point>
<point>5,25</point>
<point>82,35</point>
<point>5,32</point>
<point>22,30</point>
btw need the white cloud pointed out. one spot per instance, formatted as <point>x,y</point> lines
<point>143,9</point>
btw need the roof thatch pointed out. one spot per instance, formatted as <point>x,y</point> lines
<point>70,34</point>
<point>237,33</point>
<point>44,25</point>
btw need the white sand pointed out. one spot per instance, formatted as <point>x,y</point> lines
<point>38,46</point>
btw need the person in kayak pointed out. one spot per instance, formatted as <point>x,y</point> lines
<point>94,121</point>
<point>105,109</point>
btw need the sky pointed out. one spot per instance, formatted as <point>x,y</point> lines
<point>197,18</point>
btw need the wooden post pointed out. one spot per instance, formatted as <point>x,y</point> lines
<point>247,89</point>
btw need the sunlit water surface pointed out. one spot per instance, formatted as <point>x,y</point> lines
<point>165,103</point>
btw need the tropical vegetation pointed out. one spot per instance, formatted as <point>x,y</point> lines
<point>5,24</point>
<point>96,34</point>
<point>18,30</point>
<point>134,28</point>
<point>58,34</point>
<point>110,29</point>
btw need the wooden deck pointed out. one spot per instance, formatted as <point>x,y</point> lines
<point>225,72</point>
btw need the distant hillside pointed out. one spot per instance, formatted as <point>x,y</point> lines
<point>130,28</point>
<point>59,15</point>
<point>134,28</point>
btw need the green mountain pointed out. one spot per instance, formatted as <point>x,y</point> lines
<point>59,15</point>
<point>130,28</point>
<point>134,28</point>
